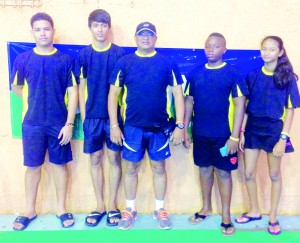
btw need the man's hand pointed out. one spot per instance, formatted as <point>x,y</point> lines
<point>116,135</point>
<point>177,137</point>
<point>65,135</point>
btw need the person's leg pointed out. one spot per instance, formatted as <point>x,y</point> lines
<point>130,175</point>
<point>203,158</point>
<point>115,172</point>
<point>276,185</point>
<point>225,188</point>
<point>159,179</point>
<point>160,186</point>
<point>34,141</point>
<point>32,179</point>
<point>206,183</point>
<point>251,158</point>
<point>131,179</point>
<point>96,170</point>
<point>61,176</point>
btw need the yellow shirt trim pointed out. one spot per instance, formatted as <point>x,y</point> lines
<point>147,55</point>
<point>45,54</point>
<point>101,50</point>
<point>216,67</point>
<point>266,72</point>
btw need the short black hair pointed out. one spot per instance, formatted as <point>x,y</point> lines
<point>217,34</point>
<point>41,16</point>
<point>99,15</point>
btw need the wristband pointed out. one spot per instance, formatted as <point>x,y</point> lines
<point>113,126</point>
<point>285,133</point>
<point>69,124</point>
<point>234,139</point>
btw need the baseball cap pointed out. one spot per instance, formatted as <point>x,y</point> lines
<point>145,26</point>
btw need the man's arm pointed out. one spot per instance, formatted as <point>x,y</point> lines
<point>189,107</point>
<point>66,132</point>
<point>239,111</point>
<point>116,134</point>
<point>81,92</point>
<point>178,134</point>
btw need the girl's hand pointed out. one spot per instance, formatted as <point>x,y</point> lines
<point>242,142</point>
<point>279,148</point>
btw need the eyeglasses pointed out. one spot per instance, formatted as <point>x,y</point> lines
<point>146,33</point>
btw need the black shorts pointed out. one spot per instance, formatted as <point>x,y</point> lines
<point>263,133</point>
<point>38,139</point>
<point>207,153</point>
<point>96,132</point>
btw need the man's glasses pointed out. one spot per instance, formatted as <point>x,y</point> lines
<point>146,33</point>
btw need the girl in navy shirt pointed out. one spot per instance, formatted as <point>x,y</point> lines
<point>273,95</point>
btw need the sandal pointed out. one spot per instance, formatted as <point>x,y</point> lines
<point>273,226</point>
<point>64,217</point>
<point>247,219</point>
<point>97,216</point>
<point>197,218</point>
<point>112,216</point>
<point>25,221</point>
<point>225,229</point>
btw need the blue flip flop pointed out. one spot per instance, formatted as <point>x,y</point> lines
<point>25,221</point>
<point>113,215</point>
<point>64,217</point>
<point>249,219</point>
<point>97,216</point>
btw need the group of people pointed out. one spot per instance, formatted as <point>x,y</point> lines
<point>124,103</point>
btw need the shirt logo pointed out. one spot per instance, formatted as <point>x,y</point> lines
<point>113,214</point>
<point>233,160</point>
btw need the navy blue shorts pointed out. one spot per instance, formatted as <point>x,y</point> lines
<point>138,140</point>
<point>207,153</point>
<point>96,132</point>
<point>263,133</point>
<point>36,141</point>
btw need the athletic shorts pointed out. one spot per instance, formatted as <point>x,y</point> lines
<point>96,132</point>
<point>263,133</point>
<point>36,141</point>
<point>138,140</point>
<point>207,153</point>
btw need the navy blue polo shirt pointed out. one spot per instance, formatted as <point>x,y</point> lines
<point>95,66</point>
<point>145,80</point>
<point>213,90</point>
<point>45,79</point>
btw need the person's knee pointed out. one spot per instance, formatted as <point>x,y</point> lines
<point>158,168</point>
<point>34,170</point>
<point>115,160</point>
<point>131,169</point>
<point>250,175</point>
<point>223,174</point>
<point>96,158</point>
<point>275,176</point>
<point>206,173</point>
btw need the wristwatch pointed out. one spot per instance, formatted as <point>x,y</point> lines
<point>283,137</point>
<point>180,125</point>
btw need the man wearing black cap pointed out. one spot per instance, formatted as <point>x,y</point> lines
<point>145,76</point>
